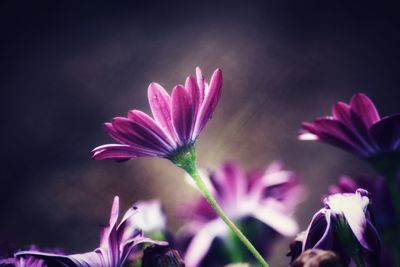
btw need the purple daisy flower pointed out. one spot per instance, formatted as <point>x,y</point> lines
<point>268,197</point>
<point>344,226</point>
<point>117,242</point>
<point>357,128</point>
<point>177,121</point>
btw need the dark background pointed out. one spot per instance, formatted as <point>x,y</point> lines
<point>67,67</point>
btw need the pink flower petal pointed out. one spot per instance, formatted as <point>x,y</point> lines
<point>386,133</point>
<point>341,112</point>
<point>141,134</point>
<point>118,151</point>
<point>182,113</point>
<point>193,89</point>
<point>201,243</point>
<point>200,83</point>
<point>145,120</point>
<point>160,104</point>
<point>365,109</point>
<point>210,103</point>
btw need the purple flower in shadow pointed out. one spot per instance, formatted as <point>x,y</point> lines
<point>177,121</point>
<point>27,261</point>
<point>357,128</point>
<point>345,227</point>
<point>382,209</point>
<point>117,242</point>
<point>268,197</point>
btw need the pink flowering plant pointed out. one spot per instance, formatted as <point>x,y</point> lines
<point>239,214</point>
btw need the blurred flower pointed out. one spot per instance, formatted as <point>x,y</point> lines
<point>178,121</point>
<point>317,258</point>
<point>151,219</point>
<point>26,261</point>
<point>344,226</point>
<point>357,128</point>
<point>267,197</point>
<point>382,209</point>
<point>116,243</point>
<point>161,256</point>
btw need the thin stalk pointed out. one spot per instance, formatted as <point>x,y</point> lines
<point>186,159</point>
<point>203,189</point>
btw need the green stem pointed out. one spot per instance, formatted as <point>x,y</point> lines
<point>203,189</point>
<point>186,159</point>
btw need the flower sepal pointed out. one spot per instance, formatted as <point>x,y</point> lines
<point>185,158</point>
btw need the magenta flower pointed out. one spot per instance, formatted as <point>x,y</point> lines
<point>357,128</point>
<point>177,121</point>
<point>345,227</point>
<point>263,199</point>
<point>117,242</point>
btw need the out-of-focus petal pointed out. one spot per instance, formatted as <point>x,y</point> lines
<point>151,216</point>
<point>365,109</point>
<point>341,112</point>
<point>231,184</point>
<point>202,241</point>
<point>280,222</point>
<point>386,133</point>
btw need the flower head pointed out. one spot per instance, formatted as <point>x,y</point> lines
<point>117,241</point>
<point>266,197</point>
<point>358,128</point>
<point>177,121</point>
<point>344,226</point>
